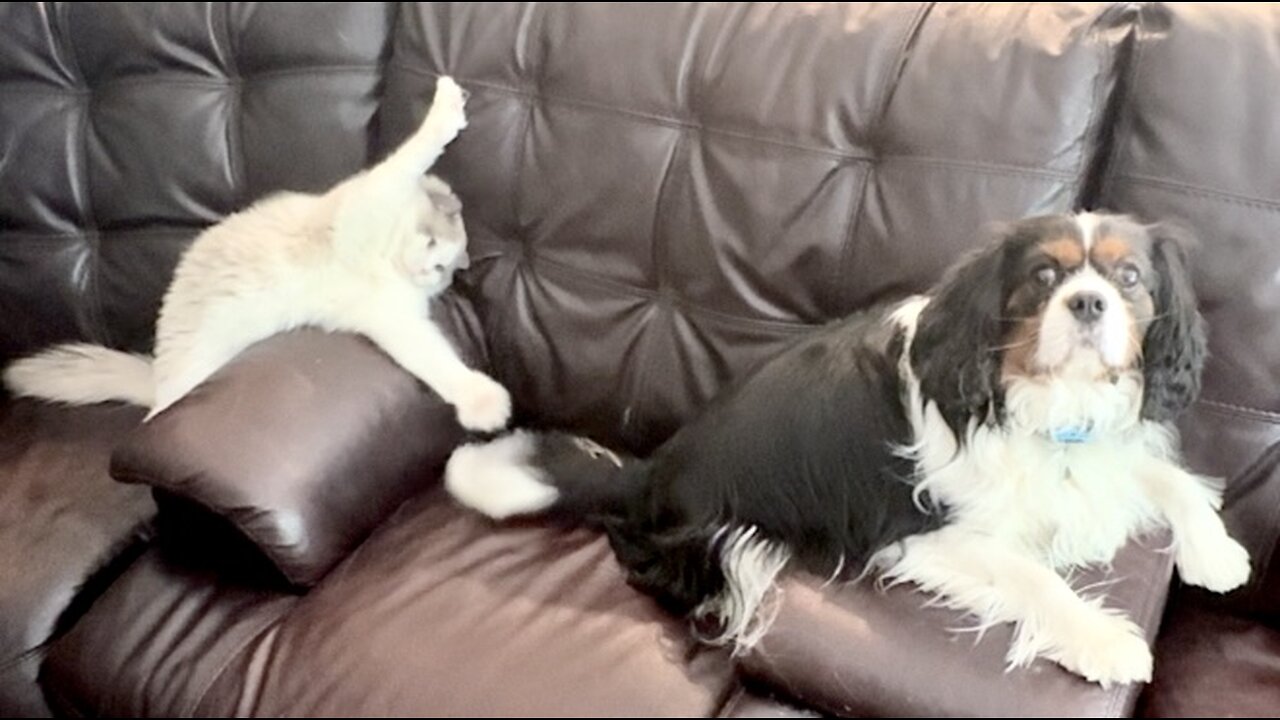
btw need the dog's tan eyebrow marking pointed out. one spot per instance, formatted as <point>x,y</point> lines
<point>1110,250</point>
<point>1067,251</point>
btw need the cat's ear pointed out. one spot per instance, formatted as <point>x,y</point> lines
<point>447,204</point>
<point>441,195</point>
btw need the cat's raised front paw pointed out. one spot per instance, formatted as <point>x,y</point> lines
<point>448,114</point>
<point>483,404</point>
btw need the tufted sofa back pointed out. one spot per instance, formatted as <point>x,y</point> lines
<point>656,199</point>
<point>658,195</point>
<point>1196,141</point>
<point>127,128</point>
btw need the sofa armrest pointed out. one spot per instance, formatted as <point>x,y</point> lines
<point>65,530</point>
<point>857,650</point>
<point>304,443</point>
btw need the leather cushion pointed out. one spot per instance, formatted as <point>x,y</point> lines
<point>860,651</point>
<point>304,443</point>
<point>62,522</point>
<point>444,613</point>
<point>1212,664</point>
<point>155,642</point>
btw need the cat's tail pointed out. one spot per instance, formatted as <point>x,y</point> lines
<point>544,473</point>
<point>83,374</point>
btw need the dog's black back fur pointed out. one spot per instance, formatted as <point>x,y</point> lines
<point>802,448</point>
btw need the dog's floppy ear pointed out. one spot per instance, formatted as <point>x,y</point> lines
<point>955,353</point>
<point>1173,350</point>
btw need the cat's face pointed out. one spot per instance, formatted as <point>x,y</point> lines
<point>438,245</point>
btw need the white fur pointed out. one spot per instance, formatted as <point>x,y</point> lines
<point>1088,224</point>
<point>81,373</point>
<point>969,570</point>
<point>751,565</point>
<point>365,257</point>
<point>1021,508</point>
<point>1064,343</point>
<point>497,478</point>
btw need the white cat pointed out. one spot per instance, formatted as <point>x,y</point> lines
<point>365,257</point>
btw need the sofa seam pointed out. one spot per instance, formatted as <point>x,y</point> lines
<point>172,78</point>
<point>526,121</point>
<point>639,293</point>
<point>837,154</point>
<point>1243,411</point>
<point>1092,123</point>
<point>139,233</point>
<point>638,115</point>
<point>1259,465</point>
<point>666,296</point>
<point>888,82</point>
<point>975,166</point>
<point>1202,191</point>
<point>96,329</point>
<point>1128,110</point>
<point>1148,614</point>
<point>236,161</point>
<point>1121,58</point>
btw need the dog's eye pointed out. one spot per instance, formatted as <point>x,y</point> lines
<point>1046,275</point>
<point>1128,275</point>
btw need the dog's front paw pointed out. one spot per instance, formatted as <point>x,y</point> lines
<point>1219,565</point>
<point>483,405</point>
<point>1109,650</point>
<point>448,107</point>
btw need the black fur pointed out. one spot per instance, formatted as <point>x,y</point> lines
<point>801,449</point>
<point>952,353</point>
<point>1173,350</point>
<point>956,350</point>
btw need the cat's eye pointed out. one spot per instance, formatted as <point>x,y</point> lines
<point>1046,275</point>
<point>431,243</point>
<point>1128,275</point>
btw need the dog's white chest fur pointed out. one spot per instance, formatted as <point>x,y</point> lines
<point>1068,504</point>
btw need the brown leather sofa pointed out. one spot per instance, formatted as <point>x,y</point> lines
<point>657,196</point>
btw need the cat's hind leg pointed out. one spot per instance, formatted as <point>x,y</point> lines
<point>185,360</point>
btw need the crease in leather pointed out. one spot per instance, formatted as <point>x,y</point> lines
<point>1146,31</point>
<point>1204,192</point>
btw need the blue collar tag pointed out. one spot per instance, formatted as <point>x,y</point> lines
<point>1071,434</point>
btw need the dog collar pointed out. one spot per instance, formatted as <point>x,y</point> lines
<point>1071,434</point>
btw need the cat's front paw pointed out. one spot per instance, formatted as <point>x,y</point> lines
<point>483,405</point>
<point>1218,564</point>
<point>448,108</point>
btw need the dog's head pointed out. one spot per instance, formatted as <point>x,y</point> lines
<point>1081,299</point>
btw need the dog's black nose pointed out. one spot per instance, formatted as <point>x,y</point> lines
<point>1087,306</point>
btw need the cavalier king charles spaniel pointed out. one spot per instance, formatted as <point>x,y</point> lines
<point>979,441</point>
